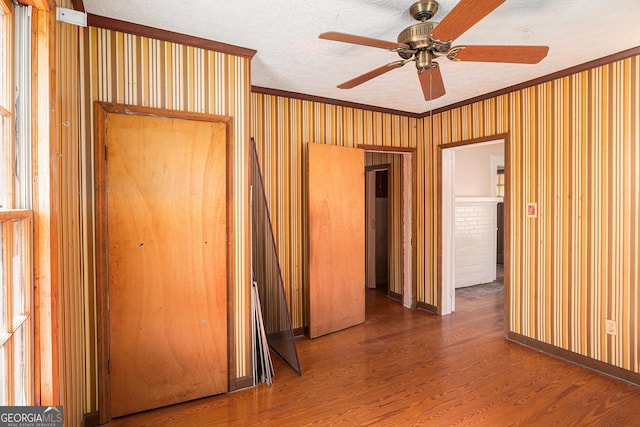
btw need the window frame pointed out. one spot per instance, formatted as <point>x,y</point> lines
<point>7,131</point>
<point>16,243</point>
<point>500,182</point>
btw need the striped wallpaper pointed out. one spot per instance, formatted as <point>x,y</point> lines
<point>78,393</point>
<point>131,69</point>
<point>282,127</point>
<point>574,150</point>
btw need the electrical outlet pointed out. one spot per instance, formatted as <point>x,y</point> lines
<point>611,326</point>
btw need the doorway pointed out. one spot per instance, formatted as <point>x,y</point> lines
<point>377,219</point>
<point>390,255</point>
<point>470,204</point>
<point>335,186</point>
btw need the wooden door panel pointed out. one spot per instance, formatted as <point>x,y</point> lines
<point>167,260</point>
<point>336,212</point>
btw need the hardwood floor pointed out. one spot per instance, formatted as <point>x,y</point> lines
<point>405,368</point>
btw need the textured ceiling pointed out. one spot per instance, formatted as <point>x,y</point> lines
<point>290,56</point>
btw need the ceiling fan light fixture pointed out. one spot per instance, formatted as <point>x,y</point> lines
<point>423,61</point>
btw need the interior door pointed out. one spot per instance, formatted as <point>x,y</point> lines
<point>336,238</point>
<point>167,260</point>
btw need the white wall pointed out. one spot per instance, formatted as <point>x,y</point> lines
<point>473,170</point>
<point>475,241</point>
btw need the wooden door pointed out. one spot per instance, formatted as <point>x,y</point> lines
<point>167,260</point>
<point>336,212</point>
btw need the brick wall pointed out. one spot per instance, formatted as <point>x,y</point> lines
<point>475,241</point>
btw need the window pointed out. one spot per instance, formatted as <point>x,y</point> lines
<point>500,183</point>
<point>6,118</point>
<point>16,243</point>
<point>15,308</point>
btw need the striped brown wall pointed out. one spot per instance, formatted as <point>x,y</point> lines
<point>77,358</point>
<point>131,69</point>
<point>575,151</point>
<point>282,127</point>
<point>72,335</point>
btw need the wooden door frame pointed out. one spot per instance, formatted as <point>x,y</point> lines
<point>507,219</point>
<point>412,276</point>
<point>101,111</point>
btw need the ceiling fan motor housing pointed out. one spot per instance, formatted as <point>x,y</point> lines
<point>417,35</point>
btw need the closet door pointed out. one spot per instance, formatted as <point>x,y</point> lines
<point>336,212</point>
<point>167,260</point>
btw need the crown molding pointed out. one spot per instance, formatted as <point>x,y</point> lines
<point>331,101</point>
<point>169,36</point>
<point>78,5</point>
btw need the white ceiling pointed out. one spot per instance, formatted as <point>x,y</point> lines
<point>290,56</point>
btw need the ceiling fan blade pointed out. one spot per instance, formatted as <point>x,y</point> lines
<point>431,82</point>
<point>509,54</point>
<point>364,41</point>
<point>371,74</point>
<point>462,17</point>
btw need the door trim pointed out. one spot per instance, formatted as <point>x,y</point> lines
<point>507,220</point>
<point>101,111</point>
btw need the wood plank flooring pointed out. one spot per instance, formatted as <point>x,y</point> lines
<point>411,368</point>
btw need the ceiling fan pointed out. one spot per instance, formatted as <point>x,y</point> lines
<point>424,41</point>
